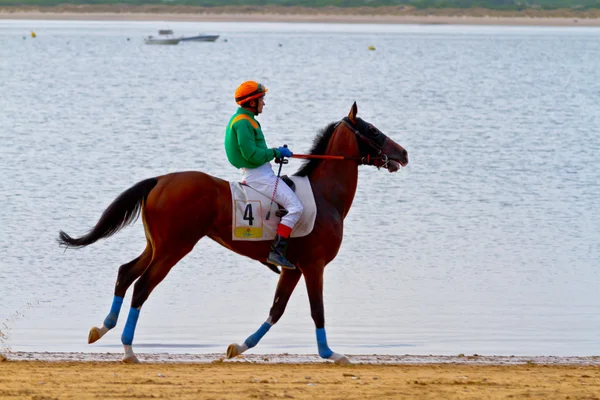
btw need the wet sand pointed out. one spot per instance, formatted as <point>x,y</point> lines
<point>248,380</point>
<point>381,15</point>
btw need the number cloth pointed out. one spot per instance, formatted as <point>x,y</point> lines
<point>250,209</point>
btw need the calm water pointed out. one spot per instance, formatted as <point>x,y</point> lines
<point>488,242</point>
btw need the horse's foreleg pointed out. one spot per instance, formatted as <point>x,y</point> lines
<point>150,278</point>
<point>314,285</point>
<point>287,282</point>
<point>127,274</point>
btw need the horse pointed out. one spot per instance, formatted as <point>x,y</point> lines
<point>179,209</point>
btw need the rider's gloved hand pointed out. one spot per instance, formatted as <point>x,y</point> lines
<point>285,152</point>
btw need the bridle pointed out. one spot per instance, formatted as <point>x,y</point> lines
<point>366,160</point>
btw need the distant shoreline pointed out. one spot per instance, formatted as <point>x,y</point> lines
<point>381,15</point>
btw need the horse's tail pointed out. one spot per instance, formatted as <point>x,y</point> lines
<point>123,211</point>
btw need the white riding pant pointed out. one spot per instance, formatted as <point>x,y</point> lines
<point>263,179</point>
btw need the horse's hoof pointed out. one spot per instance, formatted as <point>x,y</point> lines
<point>343,361</point>
<point>233,350</point>
<point>94,335</point>
<point>131,360</point>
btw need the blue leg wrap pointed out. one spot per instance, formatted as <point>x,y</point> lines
<point>256,336</point>
<point>129,331</point>
<point>111,319</point>
<point>324,350</point>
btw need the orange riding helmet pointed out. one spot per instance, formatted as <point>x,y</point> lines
<point>249,90</point>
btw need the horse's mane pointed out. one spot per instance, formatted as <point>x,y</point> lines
<point>319,146</point>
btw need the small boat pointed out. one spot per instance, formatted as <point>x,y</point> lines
<point>153,40</point>
<point>200,38</point>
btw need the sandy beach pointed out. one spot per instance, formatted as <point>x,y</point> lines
<point>226,380</point>
<point>382,15</point>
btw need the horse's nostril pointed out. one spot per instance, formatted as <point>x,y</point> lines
<point>405,153</point>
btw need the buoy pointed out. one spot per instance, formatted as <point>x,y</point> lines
<point>33,34</point>
<point>371,47</point>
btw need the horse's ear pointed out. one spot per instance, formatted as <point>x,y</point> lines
<point>352,113</point>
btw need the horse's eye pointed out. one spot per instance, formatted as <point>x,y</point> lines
<point>373,131</point>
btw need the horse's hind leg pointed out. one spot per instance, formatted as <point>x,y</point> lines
<point>128,273</point>
<point>157,270</point>
<point>287,282</point>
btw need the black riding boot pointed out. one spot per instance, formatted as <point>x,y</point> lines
<point>277,256</point>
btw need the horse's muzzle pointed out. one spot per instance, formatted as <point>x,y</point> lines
<point>397,155</point>
<point>393,166</point>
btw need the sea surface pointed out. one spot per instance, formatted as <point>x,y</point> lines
<point>488,242</point>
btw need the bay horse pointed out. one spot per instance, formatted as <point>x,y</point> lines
<point>180,208</point>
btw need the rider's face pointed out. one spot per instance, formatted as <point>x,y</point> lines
<point>260,104</point>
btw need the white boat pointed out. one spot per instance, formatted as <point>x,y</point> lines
<point>153,40</point>
<point>201,38</point>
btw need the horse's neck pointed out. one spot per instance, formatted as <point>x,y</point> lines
<point>337,179</point>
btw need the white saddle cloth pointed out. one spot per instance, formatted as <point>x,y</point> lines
<point>250,209</point>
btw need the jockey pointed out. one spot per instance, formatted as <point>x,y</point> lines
<point>247,150</point>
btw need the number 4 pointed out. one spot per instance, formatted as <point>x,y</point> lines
<point>248,214</point>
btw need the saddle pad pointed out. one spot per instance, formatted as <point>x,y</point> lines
<point>250,210</point>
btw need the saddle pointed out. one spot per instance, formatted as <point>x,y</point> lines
<point>250,209</point>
